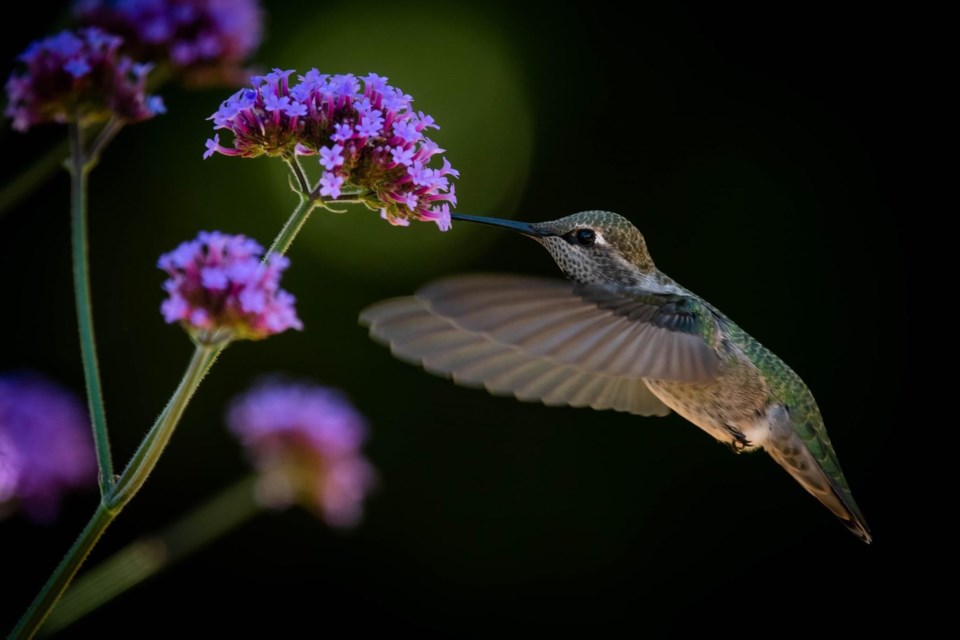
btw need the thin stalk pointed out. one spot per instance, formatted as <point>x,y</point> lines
<point>297,170</point>
<point>104,137</point>
<point>79,174</point>
<point>149,555</point>
<point>40,607</point>
<point>150,450</point>
<point>293,225</point>
<point>132,479</point>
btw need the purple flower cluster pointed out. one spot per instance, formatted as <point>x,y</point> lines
<point>45,446</point>
<point>371,145</point>
<point>220,289</point>
<point>305,441</point>
<point>207,39</point>
<point>78,77</point>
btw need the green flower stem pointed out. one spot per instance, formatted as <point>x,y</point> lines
<point>136,473</point>
<point>104,137</point>
<point>49,163</point>
<point>293,225</point>
<point>36,174</point>
<point>147,455</point>
<point>149,555</point>
<point>52,590</point>
<point>79,174</point>
<point>297,170</point>
<point>150,450</point>
<point>132,479</point>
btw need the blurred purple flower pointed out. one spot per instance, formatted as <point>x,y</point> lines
<point>78,77</point>
<point>46,446</point>
<point>370,143</point>
<point>205,40</point>
<point>220,289</point>
<point>305,442</point>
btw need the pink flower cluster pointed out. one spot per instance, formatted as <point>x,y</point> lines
<point>209,40</point>
<point>305,441</point>
<point>371,145</point>
<point>46,446</point>
<point>220,289</point>
<point>78,77</point>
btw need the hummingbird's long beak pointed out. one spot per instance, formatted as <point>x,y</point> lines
<point>525,228</point>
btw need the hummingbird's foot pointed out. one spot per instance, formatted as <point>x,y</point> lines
<point>738,441</point>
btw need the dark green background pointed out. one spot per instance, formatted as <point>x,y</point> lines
<point>760,154</point>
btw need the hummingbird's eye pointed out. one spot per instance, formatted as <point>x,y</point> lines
<point>586,237</point>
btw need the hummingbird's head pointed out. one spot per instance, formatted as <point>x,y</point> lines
<point>590,246</point>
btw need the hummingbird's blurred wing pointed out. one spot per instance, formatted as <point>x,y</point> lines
<point>417,335</point>
<point>539,339</point>
<point>633,334</point>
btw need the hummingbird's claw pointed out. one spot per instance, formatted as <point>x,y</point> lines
<point>738,441</point>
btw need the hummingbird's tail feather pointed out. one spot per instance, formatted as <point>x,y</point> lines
<point>790,451</point>
<point>419,335</point>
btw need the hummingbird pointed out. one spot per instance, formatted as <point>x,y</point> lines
<point>618,334</point>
